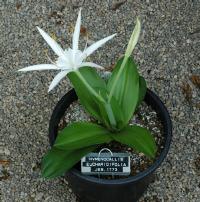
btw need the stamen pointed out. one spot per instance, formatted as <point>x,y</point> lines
<point>51,59</point>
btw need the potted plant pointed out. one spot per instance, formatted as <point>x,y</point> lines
<point>112,104</point>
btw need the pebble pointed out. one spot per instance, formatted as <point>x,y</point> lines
<point>6,152</point>
<point>39,196</point>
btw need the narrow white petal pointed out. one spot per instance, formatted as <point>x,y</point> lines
<point>76,32</point>
<point>90,64</point>
<point>52,43</point>
<point>57,79</point>
<point>38,67</point>
<point>97,45</point>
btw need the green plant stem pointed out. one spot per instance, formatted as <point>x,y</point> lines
<point>117,78</point>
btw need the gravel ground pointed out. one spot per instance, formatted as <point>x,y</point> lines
<point>168,54</point>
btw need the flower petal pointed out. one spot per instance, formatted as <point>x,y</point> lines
<point>76,33</point>
<point>38,67</point>
<point>52,43</point>
<point>57,79</point>
<point>90,64</point>
<point>97,45</point>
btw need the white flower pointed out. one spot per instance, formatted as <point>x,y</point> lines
<point>69,59</point>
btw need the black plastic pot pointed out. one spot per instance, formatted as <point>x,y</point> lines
<point>92,189</point>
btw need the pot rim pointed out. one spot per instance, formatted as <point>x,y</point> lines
<point>71,97</point>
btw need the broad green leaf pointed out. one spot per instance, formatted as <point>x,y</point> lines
<point>100,109</point>
<point>91,76</point>
<point>137,138</point>
<point>86,98</point>
<point>56,162</point>
<point>81,134</point>
<point>142,90</point>
<point>127,88</point>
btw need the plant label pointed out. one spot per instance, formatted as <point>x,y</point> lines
<point>106,164</point>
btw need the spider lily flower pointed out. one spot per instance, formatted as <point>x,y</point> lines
<point>70,59</point>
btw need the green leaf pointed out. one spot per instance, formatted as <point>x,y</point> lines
<point>100,109</point>
<point>137,138</point>
<point>56,162</point>
<point>142,90</point>
<point>86,98</point>
<point>81,134</point>
<point>127,88</point>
